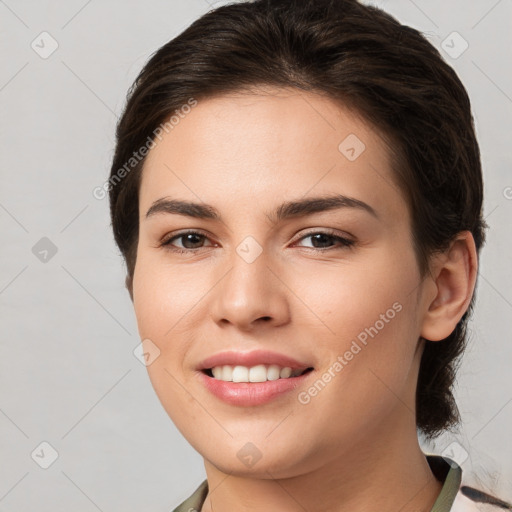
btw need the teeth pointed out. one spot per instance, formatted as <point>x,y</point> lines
<point>259,373</point>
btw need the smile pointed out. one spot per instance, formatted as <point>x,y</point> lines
<point>245,393</point>
<point>259,373</point>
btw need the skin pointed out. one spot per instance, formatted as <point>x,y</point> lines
<point>355,443</point>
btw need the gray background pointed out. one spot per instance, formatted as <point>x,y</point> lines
<point>68,373</point>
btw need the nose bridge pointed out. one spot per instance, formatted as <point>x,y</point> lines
<point>249,290</point>
<point>249,278</point>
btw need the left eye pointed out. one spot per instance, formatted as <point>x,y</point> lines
<point>194,239</point>
<point>322,237</point>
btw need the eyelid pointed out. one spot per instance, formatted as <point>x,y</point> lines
<point>347,242</point>
<point>175,235</point>
<point>327,231</point>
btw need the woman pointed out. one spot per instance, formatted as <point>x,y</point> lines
<point>297,193</point>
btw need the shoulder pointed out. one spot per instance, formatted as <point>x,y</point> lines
<point>455,496</point>
<point>469,499</point>
<point>194,502</point>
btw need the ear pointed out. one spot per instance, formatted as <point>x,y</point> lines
<point>454,273</point>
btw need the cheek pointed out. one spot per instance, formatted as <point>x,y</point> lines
<point>161,301</point>
<point>163,296</point>
<point>366,364</point>
<point>344,301</point>
<point>365,315</point>
<point>160,305</point>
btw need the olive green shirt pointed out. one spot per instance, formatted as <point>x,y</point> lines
<point>447,471</point>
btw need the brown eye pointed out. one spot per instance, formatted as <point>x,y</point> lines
<point>321,238</point>
<point>190,241</point>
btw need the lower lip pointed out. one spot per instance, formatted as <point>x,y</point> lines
<point>246,394</point>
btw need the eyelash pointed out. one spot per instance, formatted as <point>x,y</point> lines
<point>345,242</point>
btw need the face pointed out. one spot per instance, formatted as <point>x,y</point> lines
<point>333,285</point>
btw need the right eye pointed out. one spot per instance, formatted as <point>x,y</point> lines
<point>188,238</point>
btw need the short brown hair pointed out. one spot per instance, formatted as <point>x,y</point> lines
<point>357,55</point>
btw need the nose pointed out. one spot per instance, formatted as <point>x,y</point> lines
<point>250,294</point>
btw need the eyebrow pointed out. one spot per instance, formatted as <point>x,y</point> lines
<point>287,210</point>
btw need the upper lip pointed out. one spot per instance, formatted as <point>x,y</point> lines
<point>250,359</point>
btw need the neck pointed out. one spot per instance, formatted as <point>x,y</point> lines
<point>391,471</point>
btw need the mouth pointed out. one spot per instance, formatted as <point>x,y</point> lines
<point>252,366</point>
<point>253,378</point>
<point>255,374</point>
<point>249,387</point>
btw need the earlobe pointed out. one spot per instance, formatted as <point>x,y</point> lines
<point>455,276</point>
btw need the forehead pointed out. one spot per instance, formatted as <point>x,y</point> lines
<point>254,148</point>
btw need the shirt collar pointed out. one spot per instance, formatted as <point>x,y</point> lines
<point>449,473</point>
